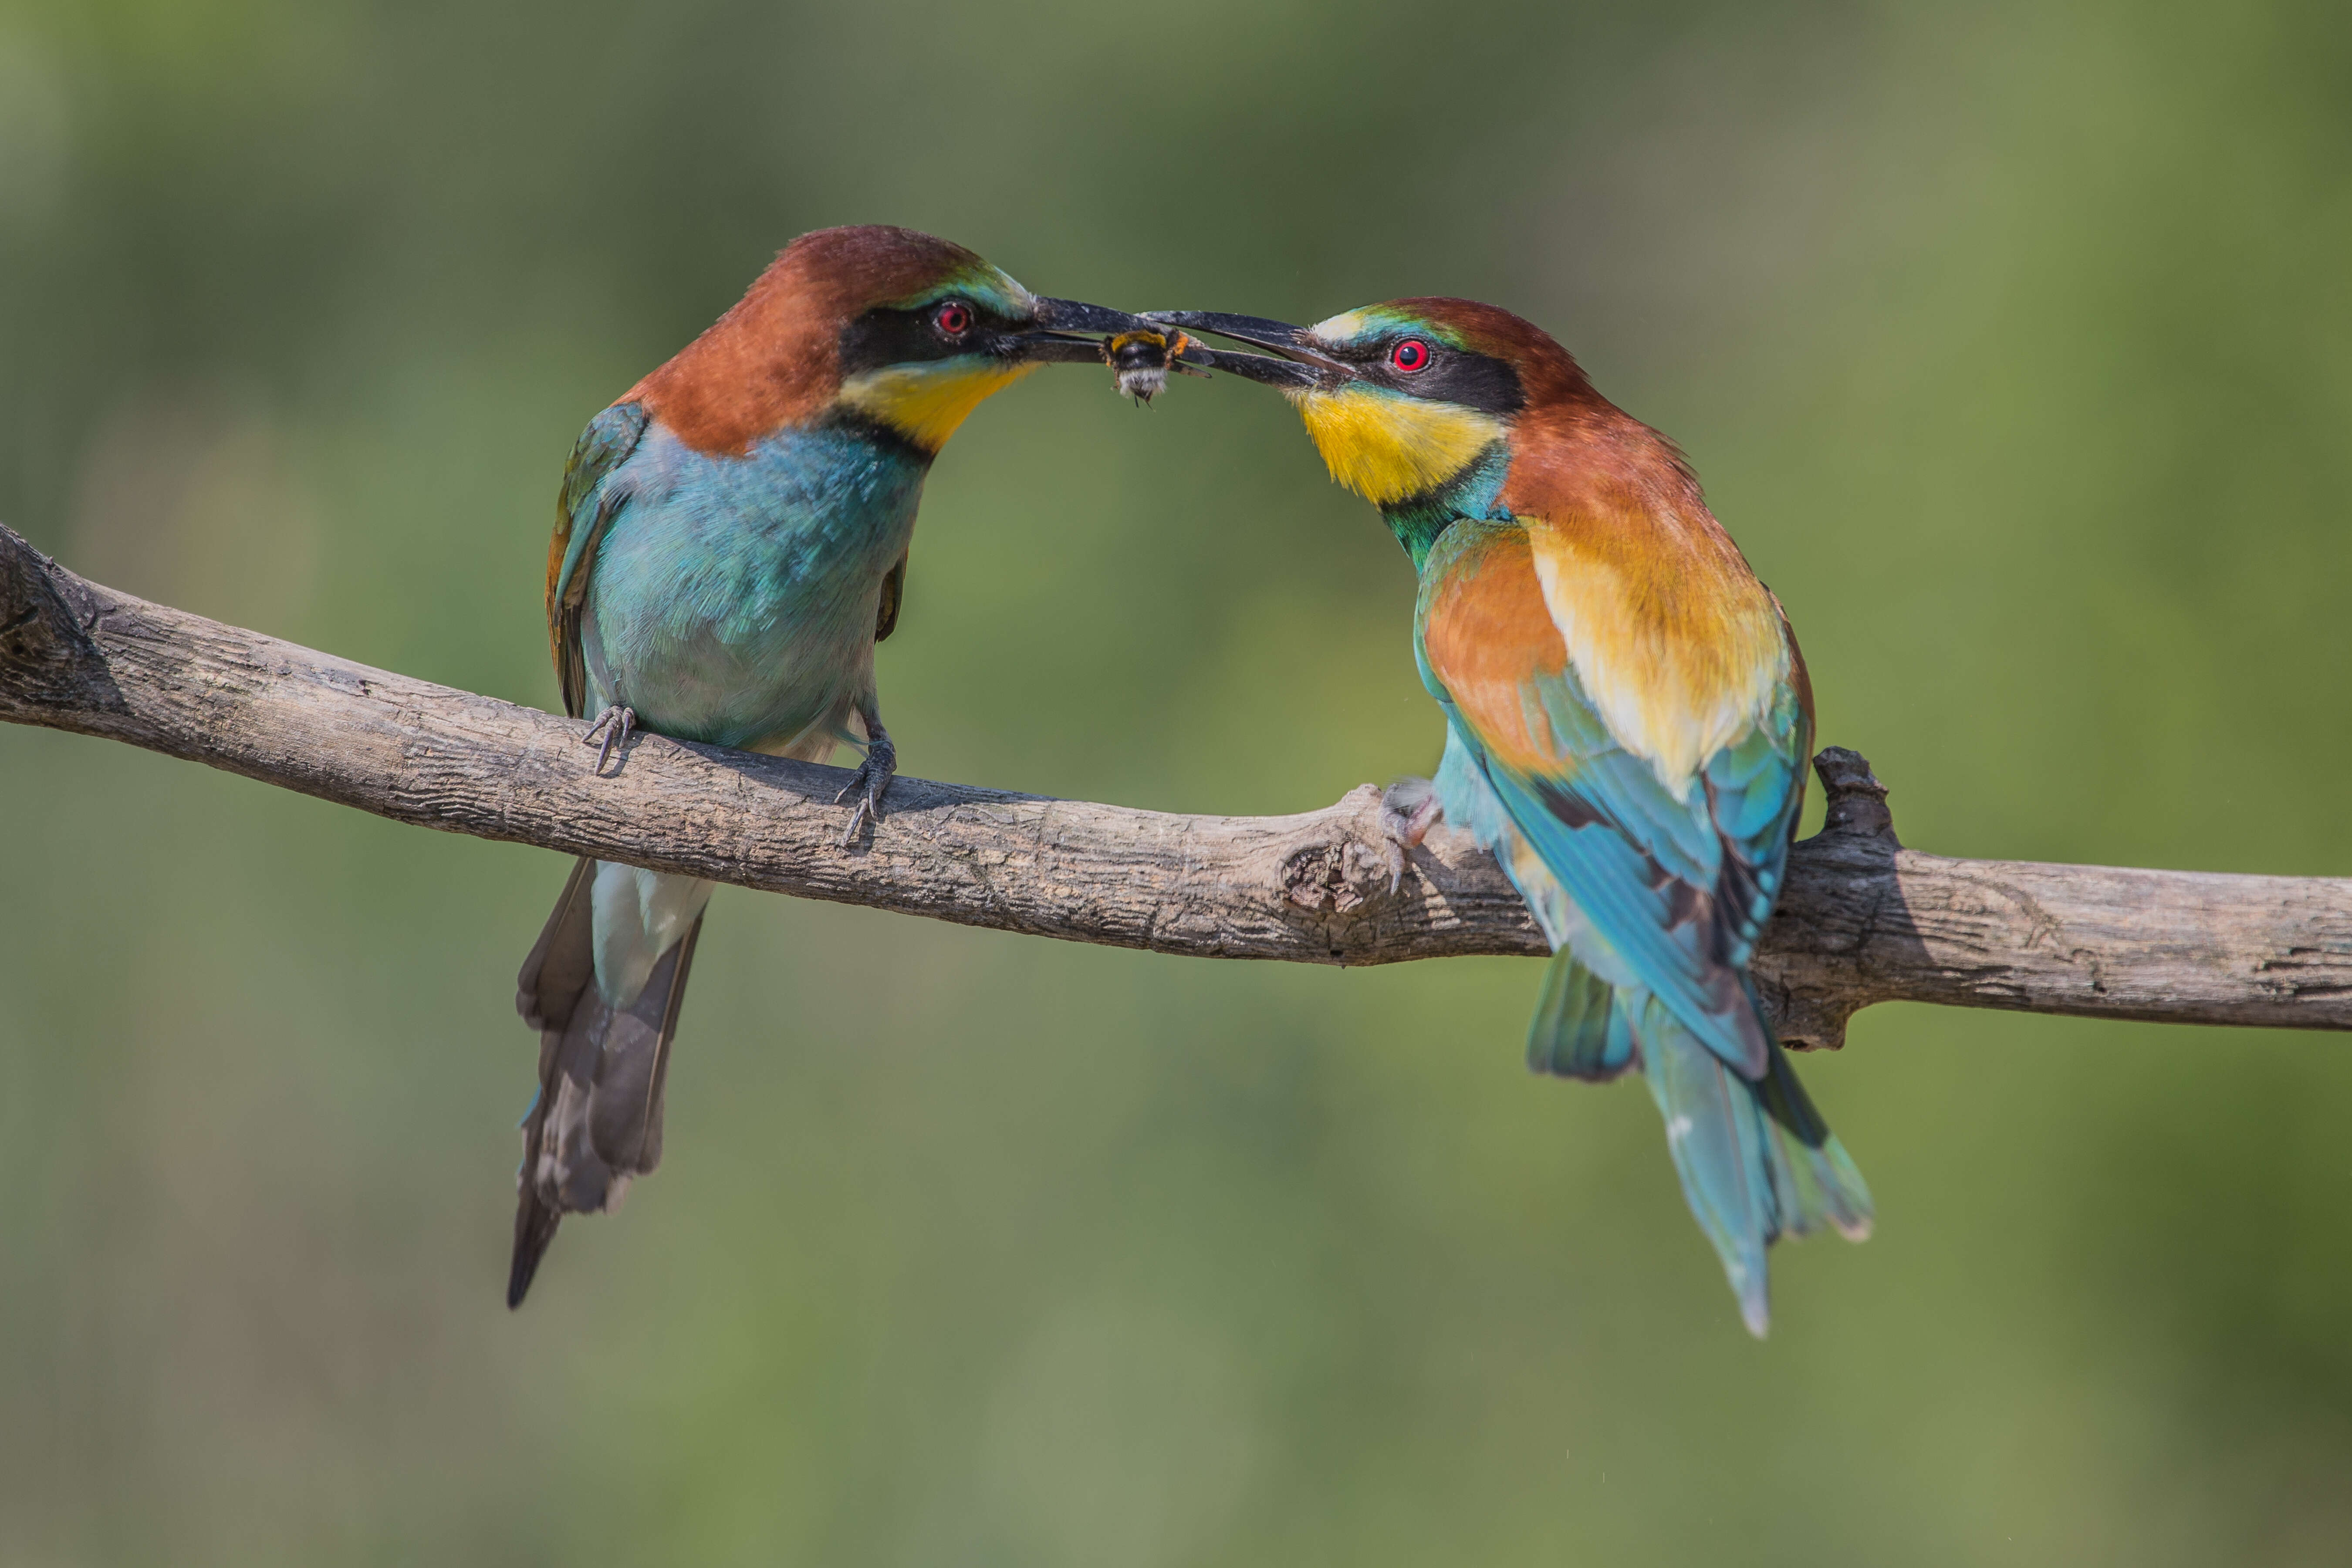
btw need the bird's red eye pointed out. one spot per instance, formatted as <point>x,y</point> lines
<point>953,319</point>
<point>1410,355</point>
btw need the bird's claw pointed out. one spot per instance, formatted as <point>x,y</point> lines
<point>614,725</point>
<point>868,784</point>
<point>862,813</point>
<point>1409,808</point>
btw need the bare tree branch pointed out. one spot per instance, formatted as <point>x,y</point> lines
<point>1862,920</point>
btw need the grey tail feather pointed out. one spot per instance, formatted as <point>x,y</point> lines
<point>597,1122</point>
<point>562,962</point>
<point>535,1224</point>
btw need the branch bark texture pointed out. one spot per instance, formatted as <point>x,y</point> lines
<point>1864,920</point>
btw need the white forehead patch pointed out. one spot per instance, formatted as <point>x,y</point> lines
<point>1340,329</point>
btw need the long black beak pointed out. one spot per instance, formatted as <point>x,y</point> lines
<point>1303,360</point>
<point>1070,331</point>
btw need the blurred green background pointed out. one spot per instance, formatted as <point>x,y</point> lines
<point>2015,346</point>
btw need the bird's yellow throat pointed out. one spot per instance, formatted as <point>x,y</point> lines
<point>926,403</point>
<point>1388,449</point>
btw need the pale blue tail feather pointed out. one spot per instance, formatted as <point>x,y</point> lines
<point>1756,1159</point>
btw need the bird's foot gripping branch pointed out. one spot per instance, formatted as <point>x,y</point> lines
<point>1864,920</point>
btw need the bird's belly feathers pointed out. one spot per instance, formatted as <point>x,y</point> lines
<point>733,599</point>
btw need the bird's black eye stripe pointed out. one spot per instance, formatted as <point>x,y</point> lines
<point>885,336</point>
<point>1442,374</point>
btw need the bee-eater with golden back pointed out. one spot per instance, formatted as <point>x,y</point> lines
<point>1628,723</point>
<point>730,543</point>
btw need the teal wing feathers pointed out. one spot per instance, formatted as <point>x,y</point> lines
<point>584,510</point>
<point>1675,890</point>
<point>1581,1028</point>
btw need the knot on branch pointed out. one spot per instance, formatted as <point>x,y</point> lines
<point>1839,895</point>
<point>1341,878</point>
<point>1856,801</point>
<point>1352,868</point>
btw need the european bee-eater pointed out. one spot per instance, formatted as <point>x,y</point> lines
<point>1628,723</point>
<point>730,543</point>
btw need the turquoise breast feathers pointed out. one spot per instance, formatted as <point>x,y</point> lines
<point>732,599</point>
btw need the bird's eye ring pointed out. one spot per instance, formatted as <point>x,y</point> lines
<point>952,318</point>
<point>1410,355</point>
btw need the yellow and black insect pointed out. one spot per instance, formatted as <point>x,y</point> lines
<point>1140,361</point>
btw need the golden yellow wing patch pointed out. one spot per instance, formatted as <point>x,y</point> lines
<point>1677,644</point>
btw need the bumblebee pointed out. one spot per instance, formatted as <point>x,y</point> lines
<point>1140,361</point>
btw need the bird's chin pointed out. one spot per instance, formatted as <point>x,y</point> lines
<point>1388,449</point>
<point>927,403</point>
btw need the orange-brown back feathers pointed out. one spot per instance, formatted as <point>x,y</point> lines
<point>1675,640</point>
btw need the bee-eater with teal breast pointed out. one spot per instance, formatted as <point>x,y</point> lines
<point>1628,723</point>
<point>730,543</point>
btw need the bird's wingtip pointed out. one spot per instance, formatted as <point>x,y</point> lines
<point>535,1224</point>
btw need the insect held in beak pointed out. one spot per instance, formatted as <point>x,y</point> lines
<point>1140,361</point>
